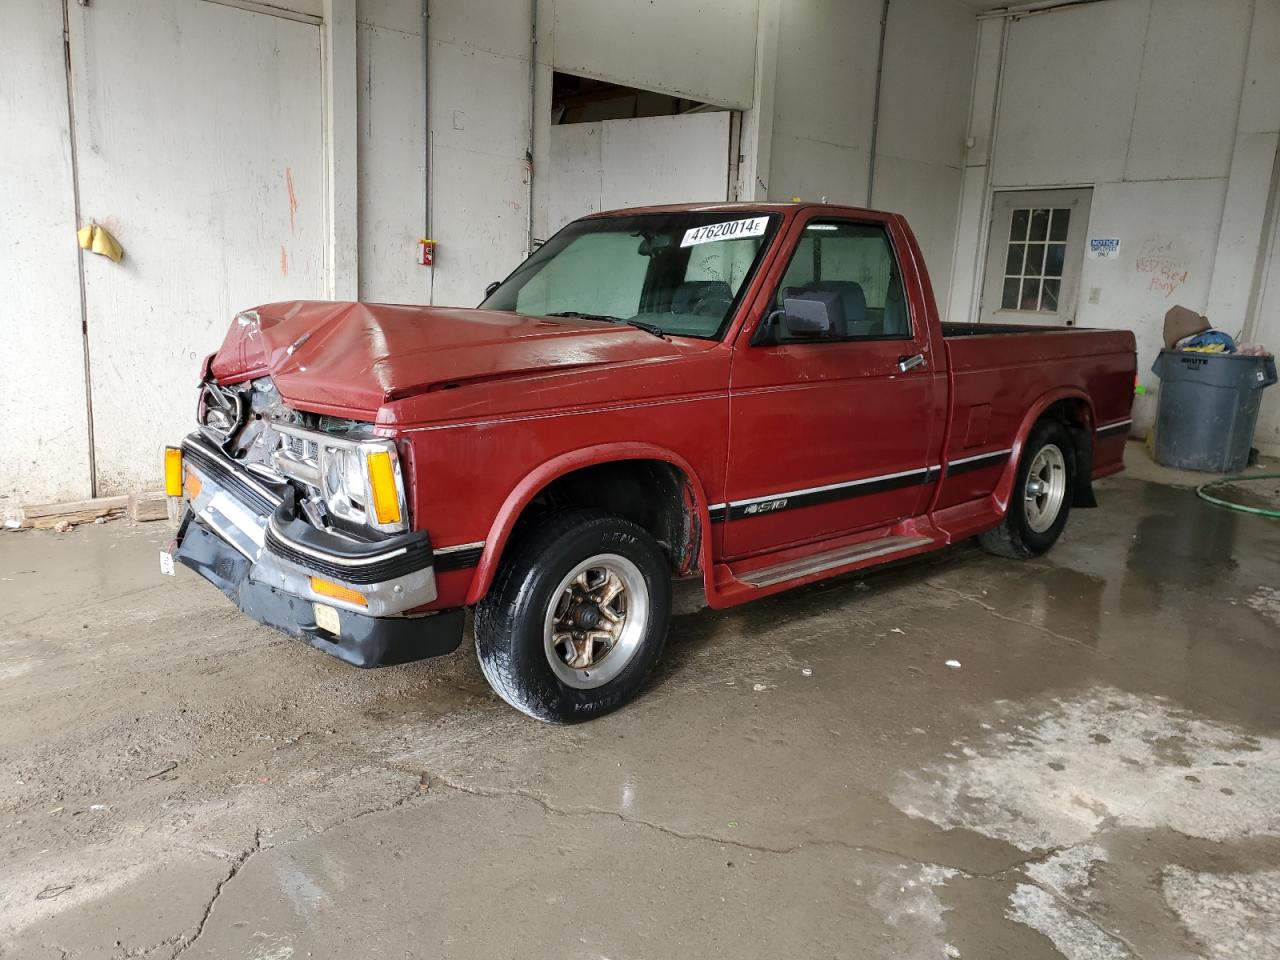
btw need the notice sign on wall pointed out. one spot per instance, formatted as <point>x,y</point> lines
<point>1104,248</point>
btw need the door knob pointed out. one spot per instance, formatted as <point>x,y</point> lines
<point>910,363</point>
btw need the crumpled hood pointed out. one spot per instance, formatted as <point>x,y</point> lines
<point>358,356</point>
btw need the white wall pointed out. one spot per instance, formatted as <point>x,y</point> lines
<point>823,99</point>
<point>44,444</point>
<point>1257,141</point>
<point>610,164</point>
<point>390,152</point>
<point>1267,331</point>
<point>803,72</point>
<point>480,113</point>
<point>218,209</point>
<point>1142,100</point>
<point>824,103</point>
<point>924,101</point>
<point>479,108</point>
<point>703,51</point>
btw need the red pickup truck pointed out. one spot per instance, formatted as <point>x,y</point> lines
<point>758,395</point>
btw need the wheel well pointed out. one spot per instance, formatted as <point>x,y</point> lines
<point>650,493</point>
<point>1073,413</point>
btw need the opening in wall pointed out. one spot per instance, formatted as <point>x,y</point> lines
<point>584,100</point>
<point>613,146</point>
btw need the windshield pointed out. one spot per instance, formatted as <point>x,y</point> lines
<point>676,273</point>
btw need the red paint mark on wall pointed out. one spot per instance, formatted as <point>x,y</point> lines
<point>1167,271</point>
<point>293,198</point>
<point>284,261</point>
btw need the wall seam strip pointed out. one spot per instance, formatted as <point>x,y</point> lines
<point>75,202</point>
<point>875,103</point>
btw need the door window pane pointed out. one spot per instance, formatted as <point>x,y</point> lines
<point>1058,226</point>
<point>1053,261</point>
<point>1030,294</point>
<point>851,268</point>
<point>1036,253</point>
<point>1039,224</point>
<point>1018,227</point>
<point>1049,296</point>
<point>1010,299</point>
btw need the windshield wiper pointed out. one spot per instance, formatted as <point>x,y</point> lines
<point>638,324</point>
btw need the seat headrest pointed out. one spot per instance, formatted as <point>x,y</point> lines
<point>852,296</point>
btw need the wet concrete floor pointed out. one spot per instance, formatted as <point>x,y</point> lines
<point>1098,778</point>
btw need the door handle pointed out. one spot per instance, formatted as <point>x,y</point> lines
<point>910,363</point>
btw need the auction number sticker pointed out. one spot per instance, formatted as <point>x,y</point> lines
<point>729,230</point>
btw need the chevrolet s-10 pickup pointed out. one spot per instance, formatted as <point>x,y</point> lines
<point>754,395</point>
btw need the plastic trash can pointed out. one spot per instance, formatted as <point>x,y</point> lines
<point>1208,408</point>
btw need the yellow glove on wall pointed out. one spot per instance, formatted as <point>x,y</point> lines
<point>98,240</point>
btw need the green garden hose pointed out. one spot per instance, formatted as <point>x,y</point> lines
<point>1201,492</point>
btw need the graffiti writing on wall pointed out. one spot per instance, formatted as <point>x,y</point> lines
<point>1166,271</point>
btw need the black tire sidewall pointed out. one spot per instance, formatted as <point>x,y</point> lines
<point>1042,434</point>
<point>539,572</point>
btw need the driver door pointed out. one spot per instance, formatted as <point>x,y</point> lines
<point>834,433</point>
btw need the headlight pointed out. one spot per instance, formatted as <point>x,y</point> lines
<point>218,411</point>
<point>359,480</point>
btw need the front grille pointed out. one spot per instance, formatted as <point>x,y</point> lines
<point>416,557</point>
<point>303,449</point>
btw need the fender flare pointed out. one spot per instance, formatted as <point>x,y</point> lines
<point>1004,487</point>
<point>537,479</point>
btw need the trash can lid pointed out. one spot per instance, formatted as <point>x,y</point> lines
<point>1238,370</point>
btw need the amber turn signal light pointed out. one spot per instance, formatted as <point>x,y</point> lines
<point>192,486</point>
<point>382,483</point>
<point>173,471</point>
<point>327,588</point>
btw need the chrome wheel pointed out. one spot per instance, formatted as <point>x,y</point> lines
<point>595,620</point>
<point>1046,488</point>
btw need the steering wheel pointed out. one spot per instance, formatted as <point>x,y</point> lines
<point>707,306</point>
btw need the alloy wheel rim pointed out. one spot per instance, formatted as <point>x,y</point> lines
<point>1046,488</point>
<point>595,621</point>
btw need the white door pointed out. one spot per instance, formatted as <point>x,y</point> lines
<point>608,164</point>
<point>1034,256</point>
<point>199,143</point>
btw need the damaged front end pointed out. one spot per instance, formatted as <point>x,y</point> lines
<point>302,520</point>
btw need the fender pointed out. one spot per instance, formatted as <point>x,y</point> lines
<point>537,479</point>
<point>1004,488</point>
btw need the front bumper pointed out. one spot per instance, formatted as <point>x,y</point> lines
<point>241,534</point>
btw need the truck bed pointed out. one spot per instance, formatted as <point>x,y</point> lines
<point>1001,372</point>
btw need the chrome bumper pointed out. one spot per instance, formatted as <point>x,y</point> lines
<point>252,514</point>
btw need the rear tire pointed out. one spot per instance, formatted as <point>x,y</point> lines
<point>576,618</point>
<point>1041,498</point>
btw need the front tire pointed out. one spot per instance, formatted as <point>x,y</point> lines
<point>1041,499</point>
<point>576,617</point>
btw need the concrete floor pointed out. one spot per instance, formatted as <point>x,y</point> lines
<point>807,777</point>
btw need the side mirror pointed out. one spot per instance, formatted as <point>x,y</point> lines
<point>805,317</point>
<point>767,330</point>
<point>488,291</point>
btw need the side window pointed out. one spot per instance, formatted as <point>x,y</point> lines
<point>850,268</point>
